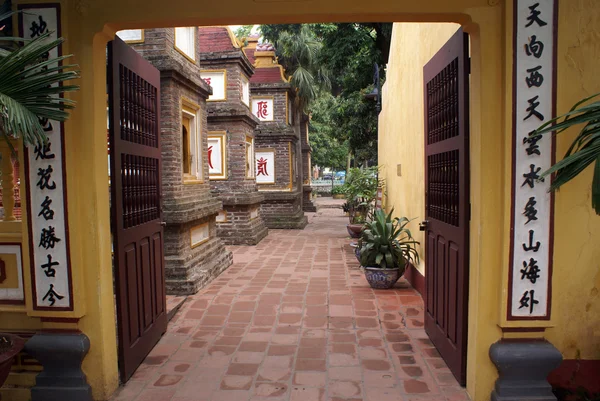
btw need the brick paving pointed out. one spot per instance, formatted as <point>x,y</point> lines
<point>294,319</point>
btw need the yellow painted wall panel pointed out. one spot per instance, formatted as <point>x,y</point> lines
<point>401,122</point>
<point>576,277</point>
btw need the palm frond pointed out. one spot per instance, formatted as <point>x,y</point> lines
<point>31,86</point>
<point>583,151</point>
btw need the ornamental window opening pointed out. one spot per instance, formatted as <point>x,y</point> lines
<point>185,41</point>
<point>190,145</point>
<point>250,173</point>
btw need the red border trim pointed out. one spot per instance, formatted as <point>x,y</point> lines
<point>509,315</point>
<point>59,319</point>
<point>57,7</point>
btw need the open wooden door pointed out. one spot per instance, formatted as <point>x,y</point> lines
<point>134,126</point>
<point>446,224</point>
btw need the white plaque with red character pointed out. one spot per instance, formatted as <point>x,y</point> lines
<point>217,79</point>
<point>265,166</point>
<point>216,156</point>
<point>263,108</point>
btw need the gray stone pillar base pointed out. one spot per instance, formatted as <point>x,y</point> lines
<point>61,355</point>
<point>523,367</point>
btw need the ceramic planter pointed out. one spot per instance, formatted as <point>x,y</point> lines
<point>7,356</point>
<point>354,230</point>
<point>382,278</point>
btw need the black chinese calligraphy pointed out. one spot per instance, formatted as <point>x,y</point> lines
<point>535,77</point>
<point>532,176</point>
<point>535,47</point>
<point>44,122</point>
<point>46,212</point>
<point>531,110</point>
<point>531,141</point>
<point>530,271</point>
<point>534,16</point>
<point>52,295</point>
<point>43,151</point>
<point>48,238</point>
<point>528,301</point>
<point>45,175</point>
<point>530,246</point>
<point>38,29</point>
<point>530,210</point>
<point>49,267</point>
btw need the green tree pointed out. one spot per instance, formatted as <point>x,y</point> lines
<point>243,32</point>
<point>30,87</point>
<point>329,149</point>
<point>300,56</point>
<point>348,51</point>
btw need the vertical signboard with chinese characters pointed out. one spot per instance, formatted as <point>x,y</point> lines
<point>46,188</point>
<point>534,87</point>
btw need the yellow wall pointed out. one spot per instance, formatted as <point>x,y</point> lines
<point>401,120</point>
<point>576,281</point>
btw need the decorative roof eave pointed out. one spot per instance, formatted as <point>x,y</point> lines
<point>219,58</point>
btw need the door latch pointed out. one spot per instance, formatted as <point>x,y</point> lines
<point>423,225</point>
<point>163,223</point>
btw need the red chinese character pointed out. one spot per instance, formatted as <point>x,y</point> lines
<point>262,110</point>
<point>262,166</point>
<point>210,148</point>
<point>207,80</point>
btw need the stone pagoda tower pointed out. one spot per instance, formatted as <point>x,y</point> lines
<point>194,254</point>
<point>231,139</point>
<point>278,147</point>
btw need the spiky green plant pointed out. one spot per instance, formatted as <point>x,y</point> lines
<point>584,150</point>
<point>31,86</point>
<point>387,243</point>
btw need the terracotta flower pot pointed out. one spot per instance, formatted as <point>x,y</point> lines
<point>382,278</point>
<point>354,230</point>
<point>7,355</point>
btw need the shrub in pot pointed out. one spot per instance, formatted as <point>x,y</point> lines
<point>338,192</point>
<point>386,247</point>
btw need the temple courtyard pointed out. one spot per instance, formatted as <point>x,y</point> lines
<point>294,319</point>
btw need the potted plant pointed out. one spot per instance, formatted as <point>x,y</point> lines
<point>10,346</point>
<point>386,247</point>
<point>337,192</point>
<point>360,189</point>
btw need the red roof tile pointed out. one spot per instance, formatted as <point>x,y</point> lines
<point>215,39</point>
<point>267,75</point>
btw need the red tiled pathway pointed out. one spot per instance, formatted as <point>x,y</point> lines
<point>294,319</point>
